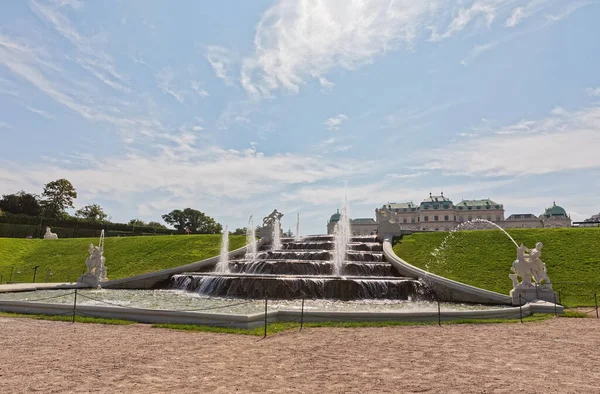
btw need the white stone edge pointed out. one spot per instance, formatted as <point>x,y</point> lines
<point>257,319</point>
<point>149,279</point>
<point>449,289</point>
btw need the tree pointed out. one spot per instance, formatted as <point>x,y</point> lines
<point>137,223</point>
<point>21,203</point>
<point>239,231</point>
<point>57,197</point>
<point>156,225</point>
<point>197,221</point>
<point>92,212</point>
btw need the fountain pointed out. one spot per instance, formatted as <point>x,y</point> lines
<point>292,268</point>
<point>276,235</point>
<point>341,238</point>
<point>297,237</point>
<point>251,239</point>
<point>223,264</point>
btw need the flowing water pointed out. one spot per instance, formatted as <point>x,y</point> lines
<point>223,264</point>
<point>276,235</point>
<point>297,237</point>
<point>341,238</point>
<point>251,239</point>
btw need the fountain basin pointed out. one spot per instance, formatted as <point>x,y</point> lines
<point>303,267</point>
<point>293,286</point>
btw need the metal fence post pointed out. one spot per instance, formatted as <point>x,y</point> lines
<point>302,315</point>
<point>266,305</point>
<point>35,272</point>
<point>520,309</point>
<point>74,305</point>
<point>596,303</point>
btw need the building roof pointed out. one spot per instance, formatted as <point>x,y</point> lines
<point>434,199</point>
<point>593,219</point>
<point>555,211</point>
<point>520,216</point>
<point>363,221</point>
<point>401,205</point>
<point>479,204</point>
<point>335,217</point>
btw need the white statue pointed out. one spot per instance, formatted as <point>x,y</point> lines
<point>96,270</point>
<point>49,234</point>
<point>528,267</point>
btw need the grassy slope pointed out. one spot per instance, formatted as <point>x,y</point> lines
<point>484,258</point>
<point>125,256</point>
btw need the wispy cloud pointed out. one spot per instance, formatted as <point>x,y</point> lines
<point>518,14</point>
<point>335,122</point>
<point>478,50</point>
<point>486,10</point>
<point>197,87</point>
<point>164,81</point>
<point>562,141</point>
<point>221,60</point>
<point>40,112</point>
<point>4,125</point>
<point>567,10</point>
<point>593,92</point>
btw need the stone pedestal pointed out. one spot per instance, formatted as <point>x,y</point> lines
<point>265,232</point>
<point>89,279</point>
<point>530,294</point>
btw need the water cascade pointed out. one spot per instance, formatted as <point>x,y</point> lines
<point>276,235</point>
<point>297,238</point>
<point>341,238</point>
<point>223,264</point>
<point>251,239</point>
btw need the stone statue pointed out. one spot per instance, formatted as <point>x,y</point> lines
<point>49,234</point>
<point>532,271</point>
<point>269,220</point>
<point>96,270</point>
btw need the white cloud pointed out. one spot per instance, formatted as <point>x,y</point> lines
<point>197,87</point>
<point>296,39</point>
<point>40,112</point>
<point>484,9</point>
<point>221,60</point>
<point>335,122</point>
<point>593,91</point>
<point>562,141</point>
<point>518,14</point>
<point>4,125</point>
<point>478,50</point>
<point>164,81</point>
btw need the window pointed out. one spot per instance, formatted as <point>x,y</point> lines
<point>498,218</point>
<point>436,218</point>
<point>446,218</point>
<point>412,220</point>
<point>404,220</point>
<point>426,218</point>
<point>479,207</point>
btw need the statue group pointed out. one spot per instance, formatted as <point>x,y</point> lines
<point>96,270</point>
<point>535,283</point>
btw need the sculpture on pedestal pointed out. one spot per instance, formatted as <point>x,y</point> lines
<point>268,221</point>
<point>535,283</point>
<point>96,270</point>
<point>49,234</point>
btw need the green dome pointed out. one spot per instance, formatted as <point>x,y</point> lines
<point>335,217</point>
<point>555,210</point>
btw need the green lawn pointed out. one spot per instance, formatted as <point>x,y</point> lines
<point>125,256</point>
<point>484,258</point>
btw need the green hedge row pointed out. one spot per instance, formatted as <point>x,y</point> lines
<point>22,226</point>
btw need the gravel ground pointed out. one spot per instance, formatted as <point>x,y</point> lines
<point>554,356</point>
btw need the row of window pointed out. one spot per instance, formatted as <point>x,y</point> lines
<point>447,218</point>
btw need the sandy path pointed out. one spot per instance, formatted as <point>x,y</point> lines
<point>560,355</point>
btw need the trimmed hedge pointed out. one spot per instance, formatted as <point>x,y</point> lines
<point>21,226</point>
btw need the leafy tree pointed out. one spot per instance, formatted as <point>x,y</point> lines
<point>57,197</point>
<point>21,203</point>
<point>197,221</point>
<point>137,223</point>
<point>156,225</point>
<point>239,231</point>
<point>92,212</point>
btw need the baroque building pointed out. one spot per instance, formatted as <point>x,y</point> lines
<point>439,213</point>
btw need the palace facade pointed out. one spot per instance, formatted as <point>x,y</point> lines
<point>439,213</point>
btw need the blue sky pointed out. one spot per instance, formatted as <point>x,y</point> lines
<point>238,107</point>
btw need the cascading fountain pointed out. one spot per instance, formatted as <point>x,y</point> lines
<point>251,239</point>
<point>341,238</point>
<point>223,264</point>
<point>308,267</point>
<point>297,237</point>
<point>276,235</point>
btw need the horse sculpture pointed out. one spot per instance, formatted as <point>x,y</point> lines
<point>529,266</point>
